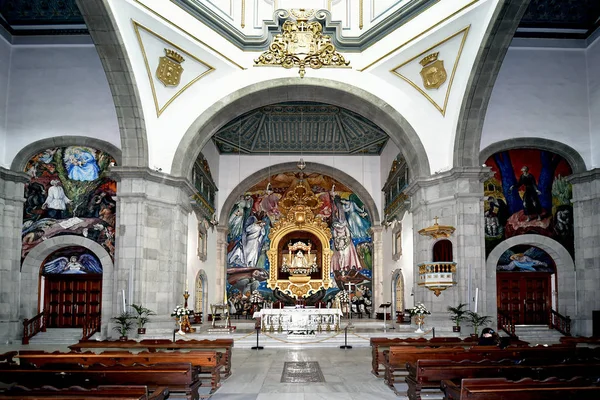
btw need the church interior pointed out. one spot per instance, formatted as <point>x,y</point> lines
<point>295,199</point>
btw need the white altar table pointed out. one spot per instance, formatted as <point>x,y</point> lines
<point>299,320</point>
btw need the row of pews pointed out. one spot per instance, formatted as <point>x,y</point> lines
<point>161,369</point>
<point>464,370</point>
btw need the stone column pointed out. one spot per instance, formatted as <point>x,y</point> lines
<point>12,189</point>
<point>380,281</point>
<point>586,220</point>
<point>456,197</point>
<point>221,274</point>
<point>152,230</point>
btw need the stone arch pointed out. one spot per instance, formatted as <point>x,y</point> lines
<point>103,29</point>
<point>308,89</point>
<point>488,62</point>
<point>571,155</point>
<point>25,154</point>
<point>565,269</point>
<point>397,279</point>
<point>311,167</point>
<point>30,270</point>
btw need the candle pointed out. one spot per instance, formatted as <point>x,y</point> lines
<point>476,296</point>
<point>124,305</point>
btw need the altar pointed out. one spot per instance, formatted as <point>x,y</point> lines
<point>299,320</point>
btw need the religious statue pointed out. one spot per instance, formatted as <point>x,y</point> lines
<point>299,264</point>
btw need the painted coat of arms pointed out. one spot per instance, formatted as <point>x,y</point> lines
<point>169,68</point>
<point>433,73</point>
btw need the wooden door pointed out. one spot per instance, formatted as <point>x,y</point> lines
<point>524,296</point>
<point>70,299</point>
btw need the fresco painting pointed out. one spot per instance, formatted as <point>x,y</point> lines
<point>254,215</point>
<point>72,260</point>
<point>69,193</point>
<point>525,258</point>
<point>528,194</point>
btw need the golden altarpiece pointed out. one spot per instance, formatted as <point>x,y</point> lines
<point>300,252</point>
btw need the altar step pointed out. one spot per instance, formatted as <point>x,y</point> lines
<point>66,336</point>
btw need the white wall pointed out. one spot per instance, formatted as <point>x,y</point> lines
<point>5,55</point>
<point>541,93</point>
<point>593,66</point>
<point>56,91</point>
<point>194,265</point>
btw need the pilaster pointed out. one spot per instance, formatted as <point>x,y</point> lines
<point>152,230</point>
<point>12,189</point>
<point>586,221</point>
<point>456,197</point>
<point>221,274</point>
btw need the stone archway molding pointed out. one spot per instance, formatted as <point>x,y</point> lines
<point>30,274</point>
<point>24,155</point>
<point>308,89</point>
<point>571,155</point>
<point>565,269</point>
<point>104,31</point>
<point>311,167</point>
<point>477,96</point>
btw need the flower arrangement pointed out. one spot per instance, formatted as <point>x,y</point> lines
<point>419,309</point>
<point>180,311</point>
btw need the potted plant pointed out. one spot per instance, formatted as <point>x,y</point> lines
<point>142,317</point>
<point>476,320</point>
<point>457,315</point>
<point>123,324</point>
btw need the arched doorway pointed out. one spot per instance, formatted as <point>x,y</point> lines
<point>200,292</point>
<point>71,287</point>
<point>525,276</point>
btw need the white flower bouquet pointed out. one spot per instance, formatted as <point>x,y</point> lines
<point>419,309</point>
<point>180,311</point>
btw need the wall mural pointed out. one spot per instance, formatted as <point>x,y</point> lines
<point>72,260</point>
<point>256,213</point>
<point>528,194</point>
<point>69,193</point>
<point>525,258</point>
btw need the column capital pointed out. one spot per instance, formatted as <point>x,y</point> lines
<point>122,173</point>
<point>478,173</point>
<point>8,175</point>
<point>584,177</point>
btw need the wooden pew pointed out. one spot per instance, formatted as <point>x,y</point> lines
<point>590,341</point>
<point>379,344</point>
<point>396,358</point>
<point>428,374</point>
<point>206,362</point>
<point>177,377</point>
<point>524,389</point>
<point>112,392</point>
<point>221,345</point>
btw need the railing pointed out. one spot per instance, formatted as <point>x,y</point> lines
<point>34,325</point>
<point>506,323</point>
<point>91,325</point>
<point>560,323</point>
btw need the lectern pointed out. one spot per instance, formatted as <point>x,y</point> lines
<point>385,307</point>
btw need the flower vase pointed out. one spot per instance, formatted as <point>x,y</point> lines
<point>419,320</point>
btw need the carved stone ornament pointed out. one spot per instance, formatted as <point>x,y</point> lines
<point>302,44</point>
<point>433,73</point>
<point>169,68</point>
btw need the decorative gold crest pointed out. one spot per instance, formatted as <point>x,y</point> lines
<point>302,44</point>
<point>169,68</point>
<point>433,73</point>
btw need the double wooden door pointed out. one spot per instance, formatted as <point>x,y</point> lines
<point>70,299</point>
<point>525,296</point>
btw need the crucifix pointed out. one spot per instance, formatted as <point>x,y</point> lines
<point>436,219</point>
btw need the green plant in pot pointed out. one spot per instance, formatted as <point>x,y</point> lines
<point>142,317</point>
<point>457,315</point>
<point>123,324</point>
<point>477,321</point>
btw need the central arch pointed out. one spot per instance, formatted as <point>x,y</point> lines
<point>309,89</point>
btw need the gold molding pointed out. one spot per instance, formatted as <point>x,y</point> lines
<point>361,14</point>
<point>442,109</point>
<point>159,110</point>
<point>419,35</point>
<point>189,34</point>
<point>243,22</point>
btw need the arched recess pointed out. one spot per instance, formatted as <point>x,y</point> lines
<point>341,176</point>
<point>200,292</point>
<point>31,268</point>
<point>398,301</point>
<point>565,270</point>
<point>571,155</point>
<point>488,62</point>
<point>24,155</point>
<point>103,29</point>
<point>308,89</point>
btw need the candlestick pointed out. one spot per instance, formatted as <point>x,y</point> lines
<point>124,305</point>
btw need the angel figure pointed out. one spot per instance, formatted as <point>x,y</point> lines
<point>85,264</point>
